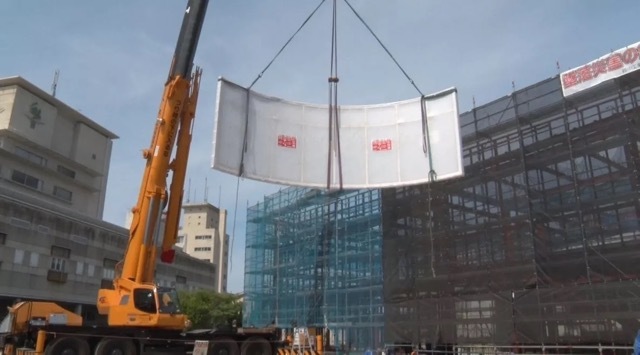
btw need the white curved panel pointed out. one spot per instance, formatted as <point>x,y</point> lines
<point>380,145</point>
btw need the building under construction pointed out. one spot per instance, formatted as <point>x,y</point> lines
<point>538,243</point>
<point>314,259</point>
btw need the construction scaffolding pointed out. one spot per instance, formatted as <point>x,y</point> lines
<point>313,259</point>
<point>538,243</point>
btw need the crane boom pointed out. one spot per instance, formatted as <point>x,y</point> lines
<point>188,39</point>
<point>135,299</point>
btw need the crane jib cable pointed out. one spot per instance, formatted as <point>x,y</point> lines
<point>333,107</point>
<point>425,135</point>
<point>334,119</point>
<point>244,142</point>
<point>425,126</point>
<point>286,44</point>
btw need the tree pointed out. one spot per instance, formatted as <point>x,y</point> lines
<point>208,309</point>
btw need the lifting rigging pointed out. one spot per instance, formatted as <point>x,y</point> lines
<point>334,127</point>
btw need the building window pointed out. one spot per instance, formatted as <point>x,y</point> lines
<point>3,238</point>
<point>62,193</point>
<point>58,264</point>
<point>59,257</point>
<point>66,172</point>
<point>91,269</point>
<point>79,268</point>
<point>203,237</point>
<point>109,269</point>
<point>18,257</point>
<point>34,258</point>
<point>26,180</point>
<point>20,223</point>
<point>202,249</point>
<point>181,280</point>
<point>32,157</point>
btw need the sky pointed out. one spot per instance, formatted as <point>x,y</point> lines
<point>114,57</point>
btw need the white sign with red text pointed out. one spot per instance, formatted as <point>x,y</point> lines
<point>610,66</point>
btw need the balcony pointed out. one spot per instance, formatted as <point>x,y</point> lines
<point>56,276</point>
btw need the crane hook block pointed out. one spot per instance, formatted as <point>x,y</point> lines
<point>168,256</point>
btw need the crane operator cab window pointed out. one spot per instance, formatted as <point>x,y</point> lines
<point>168,299</point>
<point>5,325</point>
<point>144,300</point>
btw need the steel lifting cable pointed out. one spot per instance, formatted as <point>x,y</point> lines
<point>426,141</point>
<point>246,126</point>
<point>426,147</point>
<point>383,47</point>
<point>334,120</point>
<point>244,143</point>
<point>425,127</point>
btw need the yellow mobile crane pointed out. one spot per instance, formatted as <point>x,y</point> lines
<point>134,288</point>
<point>141,317</point>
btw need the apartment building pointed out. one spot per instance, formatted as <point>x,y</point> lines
<point>203,236</point>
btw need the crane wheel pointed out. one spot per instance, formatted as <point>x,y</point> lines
<point>223,346</point>
<point>67,346</point>
<point>256,346</point>
<point>113,346</point>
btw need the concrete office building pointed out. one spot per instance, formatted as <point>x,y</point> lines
<point>203,236</point>
<point>51,151</point>
<point>53,172</point>
<point>49,252</point>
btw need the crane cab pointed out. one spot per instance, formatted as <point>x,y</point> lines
<point>145,305</point>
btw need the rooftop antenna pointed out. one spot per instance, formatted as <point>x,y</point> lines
<point>206,190</point>
<point>189,191</point>
<point>54,85</point>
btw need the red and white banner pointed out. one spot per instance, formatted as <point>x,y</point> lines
<point>610,66</point>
